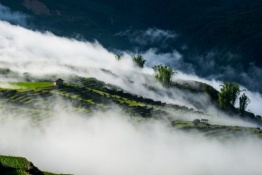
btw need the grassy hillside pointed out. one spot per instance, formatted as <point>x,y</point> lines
<point>19,166</point>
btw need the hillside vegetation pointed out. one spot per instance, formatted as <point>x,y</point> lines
<point>38,100</point>
<point>10,165</point>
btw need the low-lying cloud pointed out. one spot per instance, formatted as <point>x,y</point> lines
<point>44,54</point>
<point>110,143</point>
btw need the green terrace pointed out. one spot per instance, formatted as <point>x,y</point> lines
<point>31,85</point>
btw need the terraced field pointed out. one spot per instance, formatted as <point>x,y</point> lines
<point>86,95</point>
<point>41,100</point>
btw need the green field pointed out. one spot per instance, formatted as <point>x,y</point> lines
<point>32,85</point>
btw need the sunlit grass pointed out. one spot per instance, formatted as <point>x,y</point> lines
<point>31,85</point>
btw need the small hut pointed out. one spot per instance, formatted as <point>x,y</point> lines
<point>58,82</point>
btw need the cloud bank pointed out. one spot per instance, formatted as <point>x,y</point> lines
<point>108,143</point>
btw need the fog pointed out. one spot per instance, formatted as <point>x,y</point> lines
<point>112,143</point>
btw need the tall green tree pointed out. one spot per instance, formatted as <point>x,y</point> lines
<point>243,102</point>
<point>138,60</point>
<point>228,94</point>
<point>163,74</point>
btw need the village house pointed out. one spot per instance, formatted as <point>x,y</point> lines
<point>58,82</point>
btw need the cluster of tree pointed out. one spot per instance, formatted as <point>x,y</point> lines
<point>162,73</point>
<point>229,92</point>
